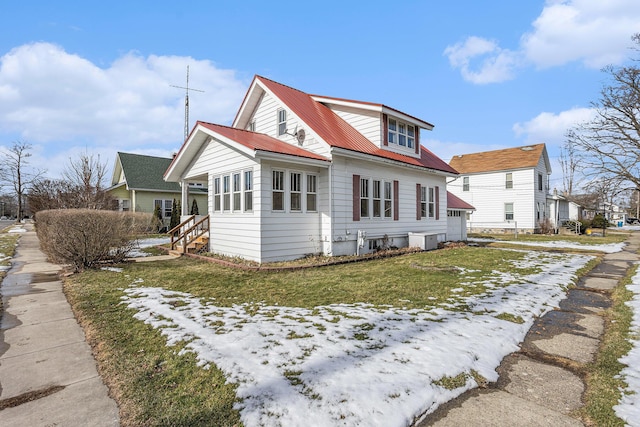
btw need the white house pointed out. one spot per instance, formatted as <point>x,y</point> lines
<point>508,188</point>
<point>562,211</point>
<point>301,174</point>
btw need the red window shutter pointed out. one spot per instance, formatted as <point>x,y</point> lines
<point>418,210</point>
<point>437,202</point>
<point>396,200</point>
<point>356,197</point>
<point>417,140</point>
<point>385,130</point>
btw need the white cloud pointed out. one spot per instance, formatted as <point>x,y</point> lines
<point>495,64</point>
<point>595,33</point>
<point>551,128</point>
<point>47,94</point>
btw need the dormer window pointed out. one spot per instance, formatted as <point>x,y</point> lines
<point>282,122</point>
<point>401,133</point>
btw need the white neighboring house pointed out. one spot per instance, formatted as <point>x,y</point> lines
<point>562,211</point>
<point>508,188</point>
<point>300,174</point>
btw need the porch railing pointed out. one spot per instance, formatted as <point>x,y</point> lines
<point>188,231</point>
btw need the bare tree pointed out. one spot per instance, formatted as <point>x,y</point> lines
<point>16,173</point>
<point>609,144</point>
<point>87,175</point>
<point>569,163</point>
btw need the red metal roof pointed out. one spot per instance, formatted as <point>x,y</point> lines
<point>260,141</point>
<point>454,202</point>
<point>338,133</point>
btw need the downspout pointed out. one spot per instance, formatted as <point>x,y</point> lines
<point>332,216</point>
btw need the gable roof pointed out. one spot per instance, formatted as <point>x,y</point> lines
<point>143,172</point>
<point>336,132</point>
<point>498,160</point>
<point>456,203</point>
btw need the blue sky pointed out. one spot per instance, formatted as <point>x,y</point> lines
<point>95,77</point>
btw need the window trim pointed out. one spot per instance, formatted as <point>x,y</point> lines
<point>507,212</point>
<point>401,133</point>
<point>247,191</point>
<point>295,191</point>
<point>312,192</point>
<point>281,121</point>
<point>236,191</point>
<point>226,193</point>
<point>508,181</point>
<point>465,183</point>
<point>364,198</point>
<point>217,196</point>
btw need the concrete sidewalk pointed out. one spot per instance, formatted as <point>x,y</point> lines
<point>543,383</point>
<point>48,375</point>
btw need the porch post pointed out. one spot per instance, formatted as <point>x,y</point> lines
<point>184,210</point>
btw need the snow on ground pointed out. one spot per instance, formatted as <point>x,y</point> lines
<point>628,408</point>
<point>146,243</point>
<point>560,244</point>
<point>354,365</point>
<point>17,229</point>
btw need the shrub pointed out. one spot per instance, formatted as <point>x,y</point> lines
<point>85,238</point>
<point>546,227</point>
<point>599,221</point>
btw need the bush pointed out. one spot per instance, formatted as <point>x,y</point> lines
<point>86,238</point>
<point>546,227</point>
<point>599,221</point>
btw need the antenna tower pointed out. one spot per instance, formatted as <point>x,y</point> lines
<point>186,104</point>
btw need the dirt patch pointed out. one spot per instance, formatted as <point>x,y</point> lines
<point>30,396</point>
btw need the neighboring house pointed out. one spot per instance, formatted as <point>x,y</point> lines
<point>300,174</point>
<point>138,186</point>
<point>457,212</point>
<point>507,187</point>
<point>562,211</point>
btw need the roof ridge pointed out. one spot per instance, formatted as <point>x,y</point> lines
<point>143,155</point>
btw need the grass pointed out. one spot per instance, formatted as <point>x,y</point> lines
<point>603,381</point>
<point>612,236</point>
<point>8,242</point>
<point>155,386</point>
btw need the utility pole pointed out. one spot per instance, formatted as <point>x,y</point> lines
<point>186,104</point>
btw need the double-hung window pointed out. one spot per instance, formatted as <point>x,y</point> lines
<point>387,199</point>
<point>277,191</point>
<point>166,206</point>
<point>237,192</point>
<point>226,193</point>
<point>540,186</point>
<point>432,202</point>
<point>377,199</point>
<point>465,183</point>
<point>216,194</point>
<point>402,134</point>
<point>508,212</point>
<point>248,191</point>
<point>295,192</point>
<point>282,122</point>
<point>364,197</point>
<point>312,189</point>
<point>392,137</point>
<point>423,201</point>
<point>508,180</point>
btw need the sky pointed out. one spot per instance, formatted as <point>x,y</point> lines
<point>83,77</point>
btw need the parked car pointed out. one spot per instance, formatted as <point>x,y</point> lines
<point>633,221</point>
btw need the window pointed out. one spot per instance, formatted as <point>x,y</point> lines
<point>216,194</point>
<point>125,205</point>
<point>401,133</point>
<point>393,132</point>
<point>432,202</point>
<point>166,207</point>
<point>226,192</point>
<point>539,182</point>
<point>282,122</point>
<point>277,193</point>
<point>312,189</point>
<point>377,199</point>
<point>248,191</point>
<point>364,197</point>
<point>295,195</point>
<point>508,180</point>
<point>387,199</point>
<point>423,202</point>
<point>237,195</point>
<point>252,126</point>
<point>508,212</point>
<point>465,183</point>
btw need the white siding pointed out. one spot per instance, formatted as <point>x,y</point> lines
<point>291,234</point>
<point>368,123</point>
<point>346,229</point>
<point>266,119</point>
<point>232,233</point>
<point>488,194</point>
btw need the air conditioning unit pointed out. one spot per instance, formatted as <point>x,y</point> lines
<point>424,241</point>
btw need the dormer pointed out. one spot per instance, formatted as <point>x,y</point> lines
<point>387,128</point>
